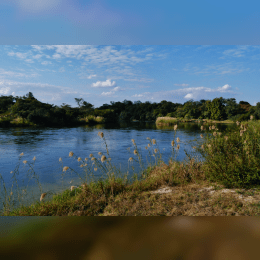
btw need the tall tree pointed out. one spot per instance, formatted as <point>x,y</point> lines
<point>218,109</point>
<point>231,107</point>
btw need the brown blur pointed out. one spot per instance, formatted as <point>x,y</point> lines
<point>108,238</point>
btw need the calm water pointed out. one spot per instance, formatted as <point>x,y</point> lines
<point>49,144</point>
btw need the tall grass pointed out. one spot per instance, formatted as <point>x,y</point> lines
<point>231,159</point>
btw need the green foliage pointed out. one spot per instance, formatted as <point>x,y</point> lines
<point>5,103</point>
<point>257,110</point>
<point>171,114</point>
<point>125,116</point>
<point>107,114</point>
<point>244,117</point>
<point>231,107</point>
<point>180,112</point>
<point>217,109</point>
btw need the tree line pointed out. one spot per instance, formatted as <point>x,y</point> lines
<point>28,107</point>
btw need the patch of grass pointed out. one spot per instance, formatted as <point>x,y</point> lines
<point>187,188</point>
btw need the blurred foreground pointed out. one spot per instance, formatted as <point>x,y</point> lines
<point>106,238</point>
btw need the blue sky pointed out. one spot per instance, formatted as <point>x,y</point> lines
<point>57,74</point>
<point>136,22</point>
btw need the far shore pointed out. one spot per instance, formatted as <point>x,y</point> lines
<point>172,120</point>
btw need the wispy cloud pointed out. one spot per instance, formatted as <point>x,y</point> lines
<point>14,74</point>
<point>195,93</point>
<point>237,52</point>
<point>91,76</point>
<point>182,85</point>
<point>112,92</point>
<point>219,69</point>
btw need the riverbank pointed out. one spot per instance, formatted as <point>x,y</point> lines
<point>226,184</point>
<point>173,120</point>
<point>8,121</point>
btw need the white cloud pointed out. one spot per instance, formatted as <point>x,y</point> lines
<point>18,54</point>
<point>195,93</point>
<point>91,76</point>
<point>104,84</point>
<point>110,93</point>
<point>237,53</point>
<point>38,56</point>
<point>224,88</point>
<point>4,90</point>
<point>62,69</point>
<point>46,62</point>
<point>13,74</point>
<point>107,93</point>
<point>116,89</point>
<point>56,56</point>
<point>220,69</point>
<point>29,60</point>
<point>189,96</point>
<point>138,95</point>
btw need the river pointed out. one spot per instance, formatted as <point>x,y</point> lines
<point>48,144</point>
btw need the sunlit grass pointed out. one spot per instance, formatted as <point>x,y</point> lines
<point>231,161</point>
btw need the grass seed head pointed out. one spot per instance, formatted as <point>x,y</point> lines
<point>65,168</point>
<point>24,161</point>
<point>91,155</point>
<point>172,143</point>
<point>79,159</point>
<point>154,141</point>
<point>42,196</point>
<point>101,134</point>
<point>72,188</point>
<point>135,151</point>
<point>21,154</point>
<point>71,154</point>
<point>178,139</point>
<point>34,158</point>
<point>60,160</point>
<point>103,158</point>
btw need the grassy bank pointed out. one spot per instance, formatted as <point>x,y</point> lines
<point>7,121</point>
<point>173,120</point>
<point>226,183</point>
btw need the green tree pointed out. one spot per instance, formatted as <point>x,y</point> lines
<point>231,107</point>
<point>217,109</point>
<point>5,103</point>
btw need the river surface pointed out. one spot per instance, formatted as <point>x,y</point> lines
<point>48,145</point>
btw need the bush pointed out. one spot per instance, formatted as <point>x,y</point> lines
<point>171,114</point>
<point>244,117</point>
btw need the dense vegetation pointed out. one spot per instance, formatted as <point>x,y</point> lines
<point>38,113</point>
